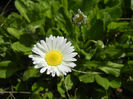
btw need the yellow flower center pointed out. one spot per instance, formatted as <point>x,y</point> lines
<point>80,18</point>
<point>53,58</point>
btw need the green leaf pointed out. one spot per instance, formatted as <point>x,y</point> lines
<point>65,4</point>
<point>130,62</point>
<point>109,13</point>
<point>102,81</point>
<point>21,8</point>
<point>31,72</point>
<point>115,83</point>
<point>37,87</point>
<point>21,86</point>
<point>1,40</point>
<point>5,63</point>
<point>18,47</point>
<point>112,52</point>
<point>35,25</point>
<point>106,1</point>
<point>3,73</point>
<point>7,69</point>
<point>14,32</point>
<point>129,54</point>
<point>112,68</point>
<point>63,21</point>
<point>115,11</point>
<point>132,4</point>
<point>116,25</point>
<point>109,70</point>
<point>68,82</point>
<point>48,95</point>
<point>35,96</point>
<point>115,65</point>
<point>60,88</point>
<point>96,34</point>
<point>86,78</point>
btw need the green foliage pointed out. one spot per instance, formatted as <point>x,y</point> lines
<point>104,45</point>
<point>7,69</point>
<point>21,8</point>
<point>112,68</point>
<point>14,32</point>
<point>68,82</point>
<point>18,47</point>
<point>31,72</point>
<point>104,82</point>
<point>132,4</point>
<point>61,88</point>
<point>87,78</point>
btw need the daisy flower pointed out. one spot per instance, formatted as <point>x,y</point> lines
<point>55,56</point>
<point>79,18</point>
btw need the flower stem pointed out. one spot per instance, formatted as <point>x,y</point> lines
<point>86,72</point>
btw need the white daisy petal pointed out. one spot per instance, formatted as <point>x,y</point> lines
<point>67,69</point>
<point>43,70</point>
<point>38,51</point>
<point>49,42</point>
<point>68,44</point>
<point>44,45</point>
<point>71,55</point>
<point>36,59</point>
<point>54,42</point>
<point>69,64</point>
<point>38,66</point>
<point>69,59</point>
<point>57,72</point>
<point>64,69</point>
<point>60,41</point>
<point>62,46</point>
<point>30,56</point>
<point>68,50</point>
<point>55,56</point>
<point>48,72</point>
<point>61,69</point>
<point>53,74</point>
<point>40,47</point>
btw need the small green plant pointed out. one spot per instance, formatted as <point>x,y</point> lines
<point>104,43</point>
